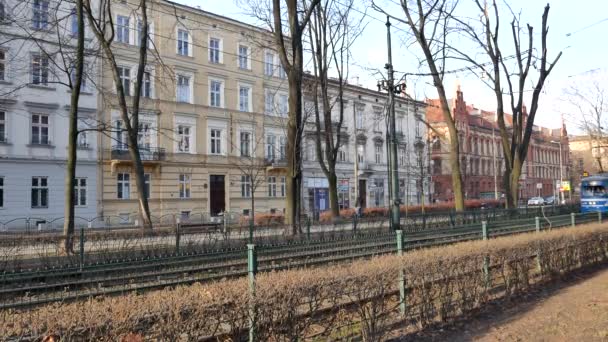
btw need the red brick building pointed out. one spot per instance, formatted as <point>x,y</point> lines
<point>481,156</point>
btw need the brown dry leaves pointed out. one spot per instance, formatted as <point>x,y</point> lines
<point>361,297</point>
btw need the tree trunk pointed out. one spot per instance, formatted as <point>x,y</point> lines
<point>144,209</point>
<point>334,206</point>
<point>70,176</point>
<point>293,179</point>
<point>512,183</point>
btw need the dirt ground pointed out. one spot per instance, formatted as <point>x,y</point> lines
<point>572,310</point>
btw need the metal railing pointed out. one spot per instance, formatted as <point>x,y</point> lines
<point>35,271</point>
<point>121,152</point>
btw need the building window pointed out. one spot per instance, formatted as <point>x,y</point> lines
<point>3,65</point>
<point>378,153</point>
<point>73,23</point>
<point>1,192</point>
<point>183,136</point>
<point>40,192</point>
<point>40,69</point>
<point>377,120</point>
<point>378,193</point>
<point>124,74</point>
<point>436,166</point>
<point>183,88</point>
<point>272,186</point>
<point>282,148</point>
<point>139,31</point>
<point>123,186</point>
<point>182,43</point>
<point>40,129</point>
<point>282,73</point>
<point>271,141</point>
<point>243,57</point>
<point>359,117</point>
<point>122,29</point>
<point>2,12</point>
<point>360,153</point>
<point>399,124</point>
<point>144,136</point>
<point>245,144</point>
<point>184,186</point>
<point>311,152</point>
<point>80,192</point>
<point>245,186</point>
<point>147,181</point>
<point>342,154</point>
<point>402,157</point>
<point>283,106</point>
<point>268,63</point>
<point>146,87</point>
<point>3,127</point>
<point>216,141</point>
<point>269,102</point>
<point>214,50</point>
<point>283,186</point>
<point>120,136</point>
<point>244,93</point>
<point>83,82</point>
<point>215,94</point>
<point>40,14</point>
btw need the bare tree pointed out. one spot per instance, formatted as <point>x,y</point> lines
<point>590,100</point>
<point>515,139</point>
<point>252,165</point>
<point>428,22</point>
<point>291,55</point>
<point>75,85</point>
<point>101,22</point>
<point>332,31</point>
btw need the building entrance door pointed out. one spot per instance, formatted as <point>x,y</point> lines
<point>217,194</point>
<point>362,193</point>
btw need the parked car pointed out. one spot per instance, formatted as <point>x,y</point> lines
<point>536,201</point>
<point>550,200</point>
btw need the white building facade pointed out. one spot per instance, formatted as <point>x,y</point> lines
<point>34,111</point>
<point>364,142</point>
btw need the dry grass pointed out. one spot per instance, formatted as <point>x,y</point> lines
<point>325,303</point>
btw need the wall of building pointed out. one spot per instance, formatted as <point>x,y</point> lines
<point>24,153</point>
<point>481,155</point>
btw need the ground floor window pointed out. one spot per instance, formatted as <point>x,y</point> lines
<point>40,192</point>
<point>378,192</point>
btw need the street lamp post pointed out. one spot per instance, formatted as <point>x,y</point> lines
<point>561,173</point>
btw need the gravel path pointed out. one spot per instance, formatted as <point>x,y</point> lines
<point>573,310</point>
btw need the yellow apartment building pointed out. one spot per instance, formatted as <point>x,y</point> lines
<point>213,96</point>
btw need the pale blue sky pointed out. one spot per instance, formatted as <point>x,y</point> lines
<point>583,50</point>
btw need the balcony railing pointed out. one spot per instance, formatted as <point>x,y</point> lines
<point>121,152</point>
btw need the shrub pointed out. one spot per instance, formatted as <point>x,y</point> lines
<point>263,219</point>
<point>326,303</point>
